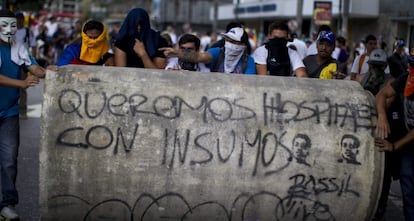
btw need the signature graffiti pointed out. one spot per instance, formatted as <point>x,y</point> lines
<point>173,205</point>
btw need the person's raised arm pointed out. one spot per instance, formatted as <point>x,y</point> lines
<point>190,56</point>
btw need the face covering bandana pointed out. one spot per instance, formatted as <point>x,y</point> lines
<point>277,43</point>
<point>93,49</point>
<point>232,55</point>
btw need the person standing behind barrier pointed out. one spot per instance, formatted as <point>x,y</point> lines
<point>275,57</point>
<point>395,117</point>
<point>403,87</point>
<point>137,44</point>
<point>93,48</point>
<point>25,37</point>
<point>12,57</point>
<point>312,48</point>
<point>322,65</point>
<point>375,77</point>
<point>398,61</point>
<point>230,59</point>
<point>343,56</point>
<point>299,45</point>
<point>360,65</point>
<point>187,43</point>
<point>220,43</point>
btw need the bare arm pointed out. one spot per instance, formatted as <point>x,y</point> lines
<point>119,57</point>
<point>383,128</point>
<point>261,69</point>
<point>193,56</point>
<point>10,82</point>
<point>158,62</point>
<point>301,72</point>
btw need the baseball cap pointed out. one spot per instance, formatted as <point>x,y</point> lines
<point>327,35</point>
<point>400,43</point>
<point>235,34</point>
<point>377,56</point>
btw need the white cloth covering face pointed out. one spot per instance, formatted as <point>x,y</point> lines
<point>232,55</point>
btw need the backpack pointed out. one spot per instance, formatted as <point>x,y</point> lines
<point>220,60</point>
<point>278,61</point>
<point>27,37</point>
<point>361,62</point>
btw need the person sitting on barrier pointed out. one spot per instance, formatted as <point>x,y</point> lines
<point>402,87</point>
<point>322,65</point>
<point>230,59</point>
<point>137,44</point>
<point>12,57</point>
<point>275,57</point>
<point>92,50</point>
<point>187,43</point>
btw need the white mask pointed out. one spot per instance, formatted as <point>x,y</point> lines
<point>8,28</point>
<point>232,55</point>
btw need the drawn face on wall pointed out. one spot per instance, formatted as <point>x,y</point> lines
<point>8,28</point>
<point>350,148</point>
<point>300,147</point>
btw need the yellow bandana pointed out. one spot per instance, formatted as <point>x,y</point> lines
<point>93,49</point>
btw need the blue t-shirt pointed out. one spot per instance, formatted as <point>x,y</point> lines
<point>9,96</point>
<point>250,68</point>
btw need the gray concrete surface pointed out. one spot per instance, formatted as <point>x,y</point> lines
<point>123,144</point>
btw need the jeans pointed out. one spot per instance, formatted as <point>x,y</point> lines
<point>9,147</point>
<point>407,183</point>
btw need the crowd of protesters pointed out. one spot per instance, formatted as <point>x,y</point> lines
<point>239,50</point>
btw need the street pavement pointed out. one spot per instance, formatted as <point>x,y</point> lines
<point>28,174</point>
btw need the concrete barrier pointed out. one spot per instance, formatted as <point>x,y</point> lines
<point>136,144</point>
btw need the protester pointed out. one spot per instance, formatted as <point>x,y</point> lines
<point>220,43</point>
<point>24,36</point>
<point>275,57</point>
<point>93,48</point>
<point>12,56</point>
<point>375,77</point>
<point>343,55</point>
<point>187,43</point>
<point>360,64</point>
<point>398,61</point>
<point>403,87</point>
<point>230,59</point>
<point>322,65</point>
<point>137,44</point>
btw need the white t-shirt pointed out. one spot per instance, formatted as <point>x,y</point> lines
<point>364,67</point>
<point>260,57</point>
<point>335,53</point>
<point>172,63</point>
<point>312,49</point>
<point>21,35</point>
<point>51,28</point>
<point>301,48</point>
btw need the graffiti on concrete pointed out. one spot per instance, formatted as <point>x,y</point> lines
<point>223,131</point>
<point>349,149</point>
